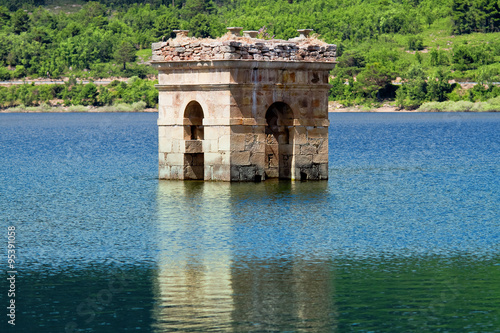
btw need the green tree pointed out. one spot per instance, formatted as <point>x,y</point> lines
<point>4,74</point>
<point>438,87</point>
<point>484,75</point>
<point>91,10</point>
<point>25,94</point>
<point>88,94</point>
<point>462,56</point>
<point>165,24</point>
<point>415,43</point>
<point>105,97</point>
<point>20,21</point>
<point>438,57</point>
<point>125,52</point>
<point>413,91</point>
<point>199,26</point>
<point>374,78</point>
<point>194,7</point>
<point>4,16</point>
<point>350,63</point>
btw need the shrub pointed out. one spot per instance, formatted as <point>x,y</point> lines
<point>138,106</point>
<point>439,58</point>
<point>430,107</point>
<point>461,106</point>
<point>457,94</point>
<point>78,108</point>
<point>415,43</point>
<point>438,87</point>
<point>449,106</point>
<point>414,89</point>
<point>19,72</point>
<point>4,74</point>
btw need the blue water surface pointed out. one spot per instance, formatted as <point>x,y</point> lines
<point>404,236</point>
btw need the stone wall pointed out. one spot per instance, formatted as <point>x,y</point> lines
<point>263,107</point>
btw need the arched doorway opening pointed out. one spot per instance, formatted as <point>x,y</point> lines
<point>193,136</point>
<point>279,148</point>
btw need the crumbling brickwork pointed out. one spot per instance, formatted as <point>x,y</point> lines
<point>186,49</point>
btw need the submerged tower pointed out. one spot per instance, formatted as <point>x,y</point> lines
<point>243,109</point>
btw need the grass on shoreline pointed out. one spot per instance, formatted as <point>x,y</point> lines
<point>491,105</point>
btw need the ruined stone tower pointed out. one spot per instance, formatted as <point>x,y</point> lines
<point>243,109</point>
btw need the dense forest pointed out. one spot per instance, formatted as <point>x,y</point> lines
<point>422,43</point>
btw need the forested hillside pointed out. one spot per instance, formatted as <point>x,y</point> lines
<point>422,43</point>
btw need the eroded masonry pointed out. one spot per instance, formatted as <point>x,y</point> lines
<point>240,108</point>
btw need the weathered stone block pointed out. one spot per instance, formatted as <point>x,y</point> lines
<point>208,172</point>
<point>226,158</point>
<point>164,172</point>
<point>308,150</point>
<point>240,158</point>
<point>177,172</point>
<point>238,142</point>
<point>323,147</point>
<point>235,173</point>
<point>193,146</point>
<point>320,158</point>
<point>222,173</point>
<point>210,146</point>
<point>177,146</point>
<point>213,158</point>
<point>318,132</point>
<point>175,159</point>
<point>299,135</point>
<point>165,146</point>
<point>225,143</point>
<point>303,160</point>
<point>227,48</point>
<point>248,173</point>
<point>258,159</point>
<point>255,146</point>
<point>229,56</point>
<point>211,133</point>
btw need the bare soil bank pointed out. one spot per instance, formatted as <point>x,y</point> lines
<point>336,107</point>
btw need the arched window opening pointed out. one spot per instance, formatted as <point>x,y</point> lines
<point>194,161</point>
<point>278,150</point>
<point>194,115</point>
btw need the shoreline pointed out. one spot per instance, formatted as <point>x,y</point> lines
<point>66,109</point>
<point>333,107</point>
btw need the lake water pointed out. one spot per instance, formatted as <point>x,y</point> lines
<point>404,237</point>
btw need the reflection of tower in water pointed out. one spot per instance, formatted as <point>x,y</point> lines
<point>285,289</point>
<point>284,295</point>
<point>204,284</point>
<point>194,283</point>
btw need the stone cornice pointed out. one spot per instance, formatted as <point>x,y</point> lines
<point>243,122</point>
<point>208,65</point>
<point>231,86</point>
